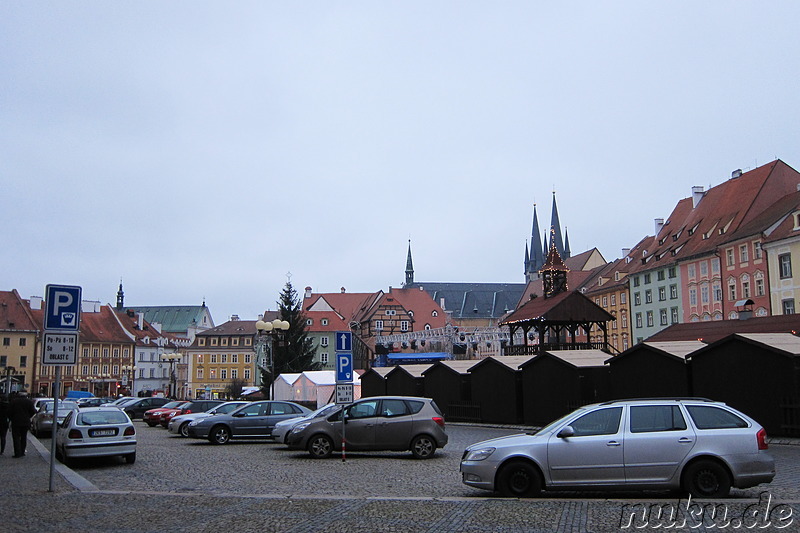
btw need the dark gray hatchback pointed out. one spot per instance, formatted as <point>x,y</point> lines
<point>376,423</point>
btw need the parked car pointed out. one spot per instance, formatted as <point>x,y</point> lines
<point>42,421</point>
<point>702,446</point>
<point>179,424</point>
<point>152,416</point>
<point>96,432</point>
<point>375,423</point>
<point>136,408</point>
<point>122,400</point>
<point>94,402</point>
<point>280,432</point>
<point>252,421</point>
<point>194,406</point>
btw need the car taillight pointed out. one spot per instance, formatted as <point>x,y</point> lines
<point>129,431</point>
<point>761,437</point>
<point>439,420</point>
<point>74,434</point>
<point>186,411</point>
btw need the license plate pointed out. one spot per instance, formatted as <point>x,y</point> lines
<point>104,433</point>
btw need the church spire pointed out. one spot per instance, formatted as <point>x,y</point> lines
<point>567,253</point>
<point>409,266</point>
<point>536,259</point>
<point>120,297</point>
<point>555,228</point>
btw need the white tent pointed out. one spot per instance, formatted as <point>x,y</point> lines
<point>318,386</point>
<point>284,389</point>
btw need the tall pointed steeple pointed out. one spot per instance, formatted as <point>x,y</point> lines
<point>526,268</point>
<point>120,297</point>
<point>409,266</point>
<point>555,228</point>
<point>567,253</point>
<point>537,250</point>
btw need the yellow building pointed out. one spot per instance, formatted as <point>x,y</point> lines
<point>19,339</point>
<point>222,357</point>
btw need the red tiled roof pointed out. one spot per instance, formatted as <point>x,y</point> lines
<point>15,313</point>
<point>713,331</point>
<point>564,307</point>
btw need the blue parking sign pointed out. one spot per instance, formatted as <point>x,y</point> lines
<point>62,308</point>
<point>344,367</point>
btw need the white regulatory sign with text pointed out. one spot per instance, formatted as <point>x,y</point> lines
<point>60,348</point>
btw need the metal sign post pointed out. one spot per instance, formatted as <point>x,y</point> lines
<point>62,319</point>
<point>344,377</point>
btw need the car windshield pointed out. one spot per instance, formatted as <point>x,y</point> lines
<point>171,405</point>
<point>122,401</point>
<point>552,425</point>
<point>95,418</point>
<point>324,411</point>
<point>226,408</point>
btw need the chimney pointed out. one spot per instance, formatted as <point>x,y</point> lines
<point>36,303</point>
<point>626,252</point>
<point>307,294</point>
<point>736,173</point>
<point>140,320</point>
<point>343,290</point>
<point>156,326</point>
<point>234,318</point>
<point>659,224</point>
<point>697,195</point>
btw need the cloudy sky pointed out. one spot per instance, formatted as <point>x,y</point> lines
<point>205,150</point>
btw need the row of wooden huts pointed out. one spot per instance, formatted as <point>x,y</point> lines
<point>758,373</point>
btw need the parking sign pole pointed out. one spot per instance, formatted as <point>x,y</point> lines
<point>57,387</point>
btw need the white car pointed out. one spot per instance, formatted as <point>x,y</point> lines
<point>281,430</point>
<point>96,432</point>
<point>180,424</point>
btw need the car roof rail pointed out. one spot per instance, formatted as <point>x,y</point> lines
<point>661,398</point>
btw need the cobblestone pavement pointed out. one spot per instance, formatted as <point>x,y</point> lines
<point>185,485</point>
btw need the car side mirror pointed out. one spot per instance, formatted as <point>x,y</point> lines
<point>565,432</point>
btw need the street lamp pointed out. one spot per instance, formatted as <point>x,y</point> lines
<point>275,331</point>
<point>172,358</point>
<point>130,375</point>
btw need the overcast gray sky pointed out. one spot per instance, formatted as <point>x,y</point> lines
<point>206,149</point>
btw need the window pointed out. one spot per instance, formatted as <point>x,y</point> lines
<point>364,409</point>
<point>709,417</point>
<point>635,281</point>
<point>661,275</point>
<point>234,373</point>
<point>6,341</point>
<point>759,286</point>
<point>605,301</point>
<point>391,408</point>
<point>323,357</point>
<point>391,312</point>
<point>662,294</point>
<point>599,422</point>
<point>743,254</point>
<point>324,321</point>
<point>671,272</point>
<point>647,278</point>
<point>745,289</point>
<point>637,298</point>
<point>115,369</point>
<point>201,342</point>
<point>732,291</point>
<point>663,317</point>
<point>23,341</point>
<point>379,325</point>
<point>691,271</point>
<point>703,268</point>
<point>638,320</point>
<point>674,314</point>
<point>717,292</point>
<point>623,298</point>
<point>715,265</point>
<point>785,265</point>
<point>247,373</point>
<point>247,358</point>
<point>115,352</point>
<point>95,352</point>
<point>223,373</point>
<point>649,319</point>
<point>200,359</point>
<point>85,369</point>
<point>404,325</point>
<point>235,341</point>
<point>213,358</point>
<point>95,369</point>
<point>673,292</point>
<point>3,360</point>
<point>648,418</point>
<point>105,369</point>
<point>323,341</point>
<point>224,341</point>
<point>704,294</point>
<point>86,352</point>
<point>756,250</point>
<point>624,321</point>
<point>613,299</point>
<point>248,341</point>
<point>692,296</point>
<point>729,256</point>
<point>234,358</point>
<point>788,306</point>
<point>214,341</point>
<point>223,358</point>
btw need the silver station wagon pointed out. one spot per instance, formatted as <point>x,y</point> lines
<point>698,445</point>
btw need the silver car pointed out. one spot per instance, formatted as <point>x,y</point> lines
<point>252,421</point>
<point>280,433</point>
<point>375,423</point>
<point>180,424</point>
<point>702,446</point>
<point>42,421</point>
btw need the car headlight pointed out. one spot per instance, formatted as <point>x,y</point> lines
<point>478,455</point>
<point>300,427</point>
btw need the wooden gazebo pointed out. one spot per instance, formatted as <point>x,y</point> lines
<point>561,319</point>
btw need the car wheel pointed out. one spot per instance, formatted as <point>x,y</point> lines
<point>519,479</point>
<point>219,435</point>
<point>151,424</point>
<point>183,431</point>
<point>130,458</point>
<point>320,446</point>
<point>423,447</point>
<point>707,479</point>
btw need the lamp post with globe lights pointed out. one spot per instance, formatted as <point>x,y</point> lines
<point>129,374</point>
<point>275,331</point>
<point>172,359</point>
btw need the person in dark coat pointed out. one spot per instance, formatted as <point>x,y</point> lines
<point>3,422</point>
<point>20,410</point>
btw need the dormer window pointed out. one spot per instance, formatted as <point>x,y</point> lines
<point>324,321</point>
<point>796,217</point>
<point>435,313</point>
<point>309,321</point>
